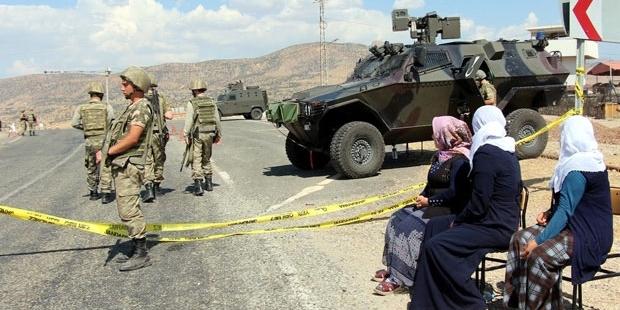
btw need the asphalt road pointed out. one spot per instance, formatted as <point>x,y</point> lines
<point>49,267</point>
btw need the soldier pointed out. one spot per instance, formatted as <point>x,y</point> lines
<point>23,122</point>
<point>202,126</point>
<point>125,150</point>
<point>154,168</point>
<point>487,90</point>
<point>32,121</point>
<point>94,117</point>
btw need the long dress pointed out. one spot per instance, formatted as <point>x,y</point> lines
<point>581,237</point>
<point>447,189</point>
<point>449,256</point>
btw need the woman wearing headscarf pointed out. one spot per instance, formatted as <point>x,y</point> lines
<point>446,192</point>
<point>576,230</point>
<point>455,245</point>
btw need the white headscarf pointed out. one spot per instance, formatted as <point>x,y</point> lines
<point>578,151</point>
<point>489,128</point>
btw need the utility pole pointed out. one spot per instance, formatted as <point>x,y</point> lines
<point>107,91</point>
<point>322,44</point>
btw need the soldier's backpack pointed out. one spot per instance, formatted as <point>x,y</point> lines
<point>206,109</point>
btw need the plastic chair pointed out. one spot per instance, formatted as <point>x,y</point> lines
<point>501,263</point>
<point>603,273</point>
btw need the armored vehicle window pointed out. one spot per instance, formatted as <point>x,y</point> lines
<point>372,66</point>
<point>436,59</point>
<point>232,97</point>
<point>221,97</point>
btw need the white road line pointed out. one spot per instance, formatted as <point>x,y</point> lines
<point>304,192</point>
<point>41,176</point>
<point>15,139</point>
<point>221,173</point>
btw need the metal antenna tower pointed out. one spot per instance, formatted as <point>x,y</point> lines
<point>323,44</point>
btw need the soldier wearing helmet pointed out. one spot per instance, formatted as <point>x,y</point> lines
<point>31,121</point>
<point>154,168</point>
<point>202,129</point>
<point>487,90</point>
<point>23,122</point>
<point>125,149</point>
<point>94,118</point>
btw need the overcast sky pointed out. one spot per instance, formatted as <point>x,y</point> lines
<point>94,34</point>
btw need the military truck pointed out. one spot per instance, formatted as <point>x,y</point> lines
<point>394,93</point>
<point>237,99</point>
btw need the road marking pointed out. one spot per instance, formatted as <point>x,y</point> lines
<point>15,139</point>
<point>41,176</point>
<point>221,173</point>
<point>304,192</point>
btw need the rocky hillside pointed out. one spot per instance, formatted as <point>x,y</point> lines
<point>54,96</point>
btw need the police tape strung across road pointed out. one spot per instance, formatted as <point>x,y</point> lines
<point>556,122</point>
<point>119,230</point>
<point>114,229</point>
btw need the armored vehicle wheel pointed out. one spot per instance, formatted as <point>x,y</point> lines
<point>247,116</point>
<point>357,150</point>
<point>522,123</point>
<point>303,158</point>
<point>256,114</point>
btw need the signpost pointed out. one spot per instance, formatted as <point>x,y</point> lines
<point>594,20</point>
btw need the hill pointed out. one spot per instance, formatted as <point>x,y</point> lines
<point>54,96</point>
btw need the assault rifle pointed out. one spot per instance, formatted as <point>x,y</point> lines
<point>159,119</point>
<point>187,155</point>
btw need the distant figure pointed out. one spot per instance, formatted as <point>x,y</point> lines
<point>23,121</point>
<point>12,130</point>
<point>487,90</point>
<point>31,120</point>
<point>94,117</point>
<point>202,129</point>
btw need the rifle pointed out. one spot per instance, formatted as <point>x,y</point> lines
<point>159,119</point>
<point>186,160</point>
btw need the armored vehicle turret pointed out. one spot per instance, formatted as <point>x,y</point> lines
<point>393,94</point>
<point>237,99</point>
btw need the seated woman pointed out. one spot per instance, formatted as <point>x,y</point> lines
<point>455,245</point>
<point>446,192</point>
<point>577,230</point>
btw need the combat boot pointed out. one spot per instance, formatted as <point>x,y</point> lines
<point>149,196</point>
<point>124,257</point>
<point>106,198</point>
<point>198,187</point>
<point>209,183</point>
<point>157,188</point>
<point>94,195</point>
<point>140,259</point>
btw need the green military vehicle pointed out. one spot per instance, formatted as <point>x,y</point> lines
<point>394,93</point>
<point>249,101</point>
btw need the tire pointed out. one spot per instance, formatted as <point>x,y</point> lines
<point>522,123</point>
<point>303,158</point>
<point>357,150</point>
<point>256,114</point>
<point>247,116</point>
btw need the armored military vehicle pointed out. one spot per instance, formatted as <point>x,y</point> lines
<point>394,93</point>
<point>249,101</point>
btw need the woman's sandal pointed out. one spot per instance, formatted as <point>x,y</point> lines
<point>380,275</point>
<point>386,288</point>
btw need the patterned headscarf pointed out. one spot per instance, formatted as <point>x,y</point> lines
<point>451,136</point>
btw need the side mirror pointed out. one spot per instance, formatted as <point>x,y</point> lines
<point>419,59</point>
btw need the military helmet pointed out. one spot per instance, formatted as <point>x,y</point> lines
<point>480,75</point>
<point>138,77</point>
<point>95,88</point>
<point>198,84</point>
<point>153,79</point>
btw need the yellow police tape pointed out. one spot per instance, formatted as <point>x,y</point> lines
<point>558,121</point>
<point>121,231</point>
<point>578,89</point>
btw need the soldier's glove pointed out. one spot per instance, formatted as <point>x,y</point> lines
<point>217,139</point>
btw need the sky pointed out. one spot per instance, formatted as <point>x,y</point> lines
<point>92,35</point>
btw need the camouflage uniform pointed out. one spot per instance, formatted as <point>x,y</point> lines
<point>94,117</point>
<point>487,90</point>
<point>128,168</point>
<point>23,123</point>
<point>154,169</point>
<point>31,121</point>
<point>207,129</point>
